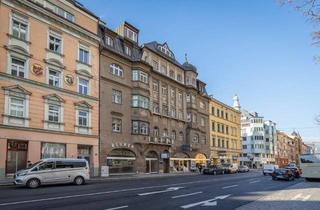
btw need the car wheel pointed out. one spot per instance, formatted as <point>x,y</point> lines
<point>33,183</point>
<point>79,180</point>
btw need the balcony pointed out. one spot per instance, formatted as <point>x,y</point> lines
<point>161,140</point>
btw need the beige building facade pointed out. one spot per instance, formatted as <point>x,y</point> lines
<point>147,102</point>
<point>225,138</point>
<point>49,78</point>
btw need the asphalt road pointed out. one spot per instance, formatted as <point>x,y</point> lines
<point>228,191</point>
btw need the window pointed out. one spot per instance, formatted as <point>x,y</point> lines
<point>156,131</point>
<point>83,86</point>
<point>83,118</point>
<point>165,133</point>
<point>179,77</point>
<point>202,105</point>
<point>163,69</point>
<point>61,12</point>
<point>194,118</point>
<point>181,136</point>
<point>19,29</point>
<point>138,75</point>
<point>130,34</point>
<point>116,125</point>
<point>189,117</point>
<point>16,107</point>
<point>116,70</point>
<point>127,50</point>
<point>244,146</point>
<point>54,78</point>
<point>18,67</point>
<point>202,121</point>
<point>188,98</point>
<point>213,142</point>
<point>156,107</point>
<point>155,86</point>
<point>54,113</point>
<point>109,41</point>
<point>212,126</point>
<point>155,65</point>
<point>212,110</point>
<point>172,74</point>
<point>116,96</point>
<point>52,150</point>
<point>140,101</point>
<point>173,135</point>
<point>140,127</point>
<point>84,54</point>
<point>55,43</point>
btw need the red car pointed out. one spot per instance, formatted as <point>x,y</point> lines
<point>295,170</point>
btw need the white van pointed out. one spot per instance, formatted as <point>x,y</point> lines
<point>54,171</point>
<point>269,168</point>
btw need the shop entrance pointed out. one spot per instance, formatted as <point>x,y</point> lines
<point>165,156</point>
<point>17,152</point>
<point>152,162</point>
<point>181,162</point>
<point>84,152</point>
<point>121,161</point>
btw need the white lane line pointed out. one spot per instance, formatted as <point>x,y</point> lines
<point>185,195</point>
<point>226,187</point>
<point>170,189</point>
<point>254,182</point>
<point>119,207</point>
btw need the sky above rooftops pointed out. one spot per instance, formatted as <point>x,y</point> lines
<point>257,49</point>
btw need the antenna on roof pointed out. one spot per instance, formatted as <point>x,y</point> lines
<point>186,57</point>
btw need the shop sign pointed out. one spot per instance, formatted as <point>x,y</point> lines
<point>164,155</point>
<point>37,69</point>
<point>117,145</point>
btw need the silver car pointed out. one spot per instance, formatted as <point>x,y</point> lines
<point>54,171</point>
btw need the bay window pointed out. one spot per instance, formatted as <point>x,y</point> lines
<point>138,75</point>
<point>140,101</point>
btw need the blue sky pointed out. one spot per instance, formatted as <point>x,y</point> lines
<point>257,49</point>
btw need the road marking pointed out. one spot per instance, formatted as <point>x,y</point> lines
<point>185,195</point>
<point>109,192</point>
<point>161,191</point>
<point>304,198</point>
<point>226,187</point>
<point>210,202</point>
<point>119,207</point>
<point>254,181</point>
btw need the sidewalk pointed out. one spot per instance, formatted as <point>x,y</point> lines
<point>301,196</point>
<point>9,181</point>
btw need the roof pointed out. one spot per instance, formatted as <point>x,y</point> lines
<point>83,8</point>
<point>189,67</point>
<point>153,46</point>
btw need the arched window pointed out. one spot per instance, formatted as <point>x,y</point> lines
<point>181,136</point>
<point>116,70</point>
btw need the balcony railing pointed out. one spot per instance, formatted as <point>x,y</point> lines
<point>161,140</point>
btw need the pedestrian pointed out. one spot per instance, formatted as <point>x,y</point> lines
<point>200,168</point>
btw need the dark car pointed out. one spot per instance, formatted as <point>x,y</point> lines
<point>283,173</point>
<point>295,170</point>
<point>213,169</point>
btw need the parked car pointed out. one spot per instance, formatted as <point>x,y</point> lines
<point>213,169</point>
<point>295,170</point>
<point>283,173</point>
<point>230,168</point>
<point>269,169</point>
<point>54,171</point>
<point>243,169</point>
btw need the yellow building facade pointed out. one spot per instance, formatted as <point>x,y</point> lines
<point>225,137</point>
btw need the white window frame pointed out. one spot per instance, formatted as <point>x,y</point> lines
<point>81,128</point>
<point>127,50</point>
<point>116,70</point>
<point>52,125</point>
<point>130,34</point>
<point>21,20</point>
<point>109,41</point>
<point>116,125</point>
<point>88,87</point>
<point>18,107</point>
<point>116,96</point>
<point>83,117</point>
<point>60,72</point>
<point>18,66</point>
<point>58,37</point>
<point>87,49</point>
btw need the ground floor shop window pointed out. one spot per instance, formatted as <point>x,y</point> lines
<point>121,161</point>
<point>53,150</point>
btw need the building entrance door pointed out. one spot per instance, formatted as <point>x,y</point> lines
<point>84,153</point>
<point>17,152</point>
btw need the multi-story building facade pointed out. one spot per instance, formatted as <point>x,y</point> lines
<point>258,139</point>
<point>286,149</point>
<point>49,78</point>
<point>225,138</point>
<point>154,111</point>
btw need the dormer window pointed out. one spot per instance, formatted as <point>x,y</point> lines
<point>130,34</point>
<point>127,50</point>
<point>61,12</point>
<point>165,49</point>
<point>109,41</point>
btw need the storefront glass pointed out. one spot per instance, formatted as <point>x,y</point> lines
<point>53,150</point>
<point>121,161</point>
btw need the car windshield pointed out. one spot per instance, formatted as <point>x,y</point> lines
<point>34,164</point>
